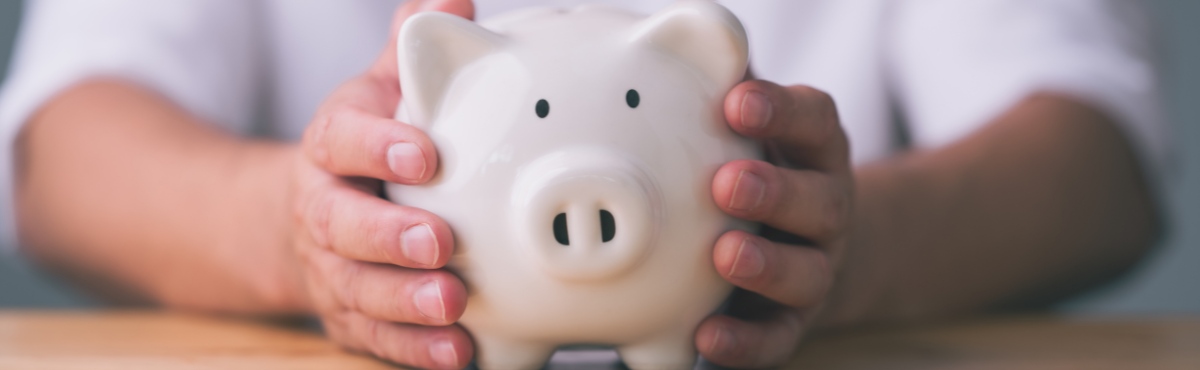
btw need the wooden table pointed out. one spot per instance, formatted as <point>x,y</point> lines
<point>156,340</point>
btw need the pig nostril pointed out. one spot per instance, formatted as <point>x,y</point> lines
<point>608,226</point>
<point>560,229</point>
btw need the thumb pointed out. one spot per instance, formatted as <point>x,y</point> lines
<point>385,66</point>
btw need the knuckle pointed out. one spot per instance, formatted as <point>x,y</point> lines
<point>346,281</point>
<point>300,212</point>
<point>316,138</point>
<point>376,236</point>
<point>824,101</point>
<point>374,331</point>
<point>779,193</point>
<point>395,293</point>
<point>815,97</point>
<point>828,121</point>
<point>824,128</point>
<point>807,95</point>
<point>824,216</point>
<point>824,279</point>
<point>831,135</point>
<point>836,214</point>
<point>830,220</point>
<point>303,205</point>
<point>374,334</point>
<point>806,92</point>
<point>320,215</point>
<point>821,118</point>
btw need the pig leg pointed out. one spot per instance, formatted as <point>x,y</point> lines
<point>674,350</point>
<point>498,353</point>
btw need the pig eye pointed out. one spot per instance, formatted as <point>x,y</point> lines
<point>632,98</point>
<point>542,108</point>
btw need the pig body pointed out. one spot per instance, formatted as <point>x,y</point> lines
<point>577,152</point>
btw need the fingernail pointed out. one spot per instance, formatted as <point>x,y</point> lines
<point>428,300</point>
<point>431,4</point>
<point>419,245</point>
<point>748,262</point>
<point>406,161</point>
<point>756,109</point>
<point>748,192</point>
<point>444,354</point>
<point>722,343</point>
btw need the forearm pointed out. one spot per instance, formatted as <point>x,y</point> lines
<point>131,195</point>
<point>1045,201</point>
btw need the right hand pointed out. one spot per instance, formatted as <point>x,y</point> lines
<point>374,269</point>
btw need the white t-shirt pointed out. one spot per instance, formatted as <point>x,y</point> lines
<point>934,69</point>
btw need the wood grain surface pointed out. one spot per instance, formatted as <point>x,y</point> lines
<point>1015,343</point>
<point>160,340</point>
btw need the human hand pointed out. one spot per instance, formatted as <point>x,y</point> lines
<point>805,202</point>
<point>374,269</point>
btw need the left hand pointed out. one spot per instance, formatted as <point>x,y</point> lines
<point>804,199</point>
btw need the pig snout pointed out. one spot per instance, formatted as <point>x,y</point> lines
<point>586,214</point>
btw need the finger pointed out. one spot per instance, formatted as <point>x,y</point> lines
<point>350,141</point>
<point>358,226</point>
<point>424,347</point>
<point>811,204</point>
<point>352,136</point>
<point>803,120</point>
<point>385,67</point>
<point>736,343</point>
<point>792,275</point>
<point>389,293</point>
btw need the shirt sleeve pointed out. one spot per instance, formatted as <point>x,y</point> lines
<point>957,64</point>
<point>201,54</point>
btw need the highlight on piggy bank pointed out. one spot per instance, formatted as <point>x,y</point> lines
<point>577,153</point>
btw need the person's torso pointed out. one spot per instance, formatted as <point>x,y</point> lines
<point>312,47</point>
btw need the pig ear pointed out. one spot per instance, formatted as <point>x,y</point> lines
<point>702,34</point>
<point>431,49</point>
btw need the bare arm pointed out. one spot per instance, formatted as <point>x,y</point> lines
<point>138,200</point>
<point>131,196</point>
<point>1045,201</point>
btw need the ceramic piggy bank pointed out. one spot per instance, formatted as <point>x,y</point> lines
<point>577,153</point>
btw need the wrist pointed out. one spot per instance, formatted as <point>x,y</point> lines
<point>264,174</point>
<point>864,288</point>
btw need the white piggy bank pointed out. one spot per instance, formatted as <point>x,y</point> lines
<point>577,152</point>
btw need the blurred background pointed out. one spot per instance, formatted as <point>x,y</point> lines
<point>1168,281</point>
